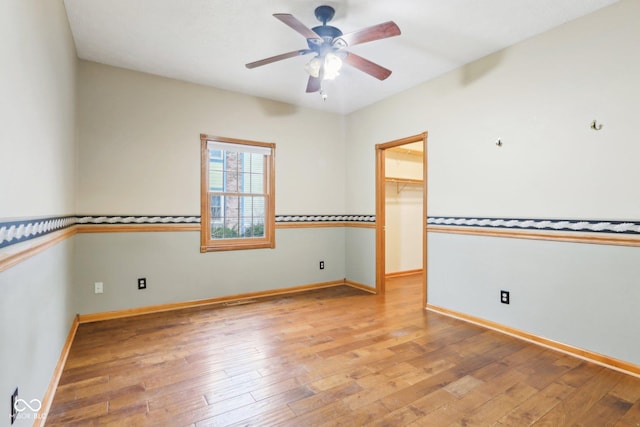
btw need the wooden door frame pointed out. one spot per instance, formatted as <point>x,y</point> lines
<point>381,211</point>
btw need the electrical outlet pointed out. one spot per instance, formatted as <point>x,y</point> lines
<point>321,265</point>
<point>142,283</point>
<point>98,287</point>
<point>14,411</point>
<point>504,297</point>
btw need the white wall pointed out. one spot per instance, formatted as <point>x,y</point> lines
<point>37,177</point>
<point>37,136</point>
<point>539,97</point>
<point>140,155</point>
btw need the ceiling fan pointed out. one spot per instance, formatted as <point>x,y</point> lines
<point>328,44</point>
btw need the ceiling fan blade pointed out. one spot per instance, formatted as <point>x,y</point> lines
<point>375,32</point>
<point>293,22</point>
<point>278,58</point>
<point>367,66</point>
<point>314,84</point>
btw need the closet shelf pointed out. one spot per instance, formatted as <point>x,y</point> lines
<point>403,181</point>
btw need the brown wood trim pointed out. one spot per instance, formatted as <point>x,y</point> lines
<point>270,220</point>
<point>124,228</point>
<point>425,204</point>
<point>360,286</point>
<point>238,244</point>
<point>41,417</point>
<point>96,317</point>
<point>404,273</point>
<point>577,237</point>
<point>381,195</point>
<point>204,188</point>
<point>609,362</point>
<point>360,224</point>
<point>205,137</point>
<point>23,251</point>
<point>326,224</point>
<point>380,207</point>
<point>132,228</point>
<point>404,141</point>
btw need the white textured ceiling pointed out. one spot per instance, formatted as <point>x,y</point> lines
<point>209,41</point>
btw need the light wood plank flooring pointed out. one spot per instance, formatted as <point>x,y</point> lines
<point>334,356</point>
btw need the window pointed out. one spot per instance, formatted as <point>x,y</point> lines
<point>237,194</point>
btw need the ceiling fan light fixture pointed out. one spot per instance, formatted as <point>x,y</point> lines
<point>313,67</point>
<point>330,65</point>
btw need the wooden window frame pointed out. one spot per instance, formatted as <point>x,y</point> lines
<point>212,245</point>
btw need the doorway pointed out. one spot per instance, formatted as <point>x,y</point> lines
<point>416,147</point>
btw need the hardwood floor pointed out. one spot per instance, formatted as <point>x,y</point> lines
<point>335,356</point>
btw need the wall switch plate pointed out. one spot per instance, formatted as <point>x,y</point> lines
<point>321,265</point>
<point>14,411</point>
<point>504,297</point>
<point>142,283</point>
<point>98,287</point>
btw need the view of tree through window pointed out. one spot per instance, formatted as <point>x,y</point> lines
<point>238,194</point>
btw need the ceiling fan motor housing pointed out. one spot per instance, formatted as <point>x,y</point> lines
<point>327,32</point>
<point>324,14</point>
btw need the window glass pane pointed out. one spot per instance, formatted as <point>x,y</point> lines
<point>257,163</point>
<point>222,230</point>
<point>247,207</point>
<point>216,231</point>
<point>257,183</point>
<point>227,230</point>
<point>216,208</point>
<point>245,181</point>
<point>216,177</point>
<point>258,208</point>
<point>231,206</point>
<point>253,227</point>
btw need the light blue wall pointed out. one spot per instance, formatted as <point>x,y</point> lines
<point>361,255</point>
<point>38,305</point>
<point>176,270</point>
<point>584,295</point>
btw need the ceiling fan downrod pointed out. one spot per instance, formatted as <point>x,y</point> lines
<point>325,14</point>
